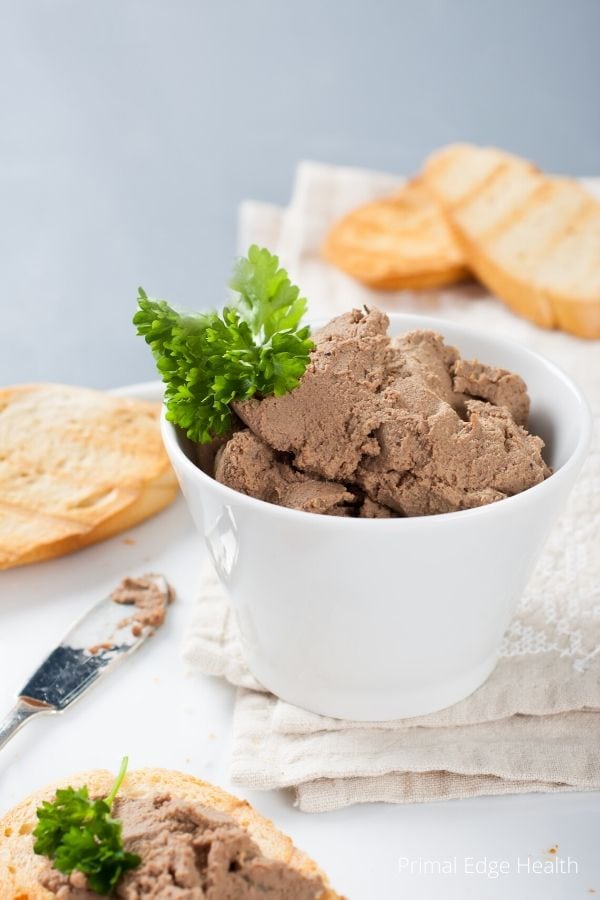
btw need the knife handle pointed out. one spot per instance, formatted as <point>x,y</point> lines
<point>19,714</point>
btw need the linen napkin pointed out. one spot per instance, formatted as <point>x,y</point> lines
<point>535,723</point>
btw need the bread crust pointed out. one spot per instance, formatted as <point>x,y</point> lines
<point>19,866</point>
<point>77,466</point>
<point>489,198</point>
<point>398,242</point>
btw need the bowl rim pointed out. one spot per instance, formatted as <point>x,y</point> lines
<point>170,439</point>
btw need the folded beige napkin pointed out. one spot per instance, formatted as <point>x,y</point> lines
<point>535,724</point>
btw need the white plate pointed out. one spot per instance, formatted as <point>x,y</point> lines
<point>160,715</point>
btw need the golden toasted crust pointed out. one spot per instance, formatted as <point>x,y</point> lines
<point>76,466</point>
<point>532,239</point>
<point>19,866</point>
<point>398,242</point>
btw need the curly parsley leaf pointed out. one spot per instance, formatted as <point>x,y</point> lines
<point>208,360</point>
<point>268,301</point>
<point>79,834</point>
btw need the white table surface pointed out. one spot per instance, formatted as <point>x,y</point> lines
<point>161,715</point>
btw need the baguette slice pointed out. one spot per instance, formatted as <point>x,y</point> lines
<point>76,466</point>
<point>398,242</point>
<point>19,866</point>
<point>532,239</point>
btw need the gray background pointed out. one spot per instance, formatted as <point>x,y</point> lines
<point>131,129</point>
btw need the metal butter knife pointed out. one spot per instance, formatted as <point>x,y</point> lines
<point>95,644</point>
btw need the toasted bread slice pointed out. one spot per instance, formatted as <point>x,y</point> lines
<point>398,242</point>
<point>532,239</point>
<point>76,466</point>
<point>19,866</point>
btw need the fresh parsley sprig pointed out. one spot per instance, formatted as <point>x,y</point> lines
<point>79,834</point>
<point>207,360</point>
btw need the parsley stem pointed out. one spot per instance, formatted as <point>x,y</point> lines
<point>118,781</point>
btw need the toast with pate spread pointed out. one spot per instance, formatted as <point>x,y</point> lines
<point>76,466</point>
<point>532,239</point>
<point>397,242</point>
<point>210,839</point>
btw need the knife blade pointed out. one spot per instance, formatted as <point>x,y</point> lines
<point>94,645</point>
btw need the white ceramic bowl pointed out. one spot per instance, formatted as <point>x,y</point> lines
<point>373,619</point>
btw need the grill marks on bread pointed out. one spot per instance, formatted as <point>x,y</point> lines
<point>532,239</point>
<point>76,466</point>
